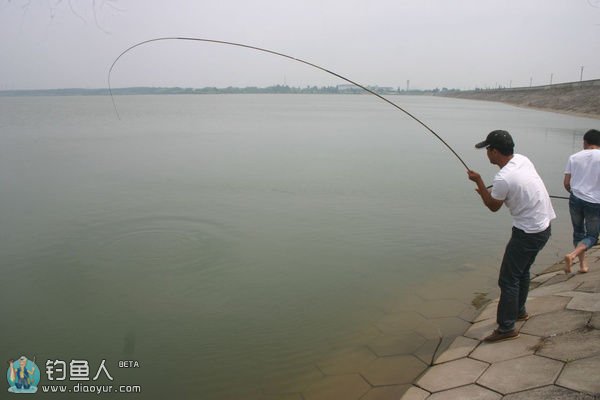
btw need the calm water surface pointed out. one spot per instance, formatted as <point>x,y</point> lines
<point>234,245</point>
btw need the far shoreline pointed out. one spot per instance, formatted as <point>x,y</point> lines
<point>581,99</point>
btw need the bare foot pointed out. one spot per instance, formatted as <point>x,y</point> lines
<point>583,268</point>
<point>568,263</point>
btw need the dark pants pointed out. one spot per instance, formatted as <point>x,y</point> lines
<point>520,253</point>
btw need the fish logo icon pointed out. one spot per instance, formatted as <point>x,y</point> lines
<point>23,376</point>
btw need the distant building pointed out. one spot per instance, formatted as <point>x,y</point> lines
<point>348,88</point>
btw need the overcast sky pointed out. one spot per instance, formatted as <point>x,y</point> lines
<point>433,43</point>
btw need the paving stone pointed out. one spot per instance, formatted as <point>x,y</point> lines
<point>471,392</point>
<point>399,322</point>
<point>489,312</point>
<point>442,327</point>
<point>595,321</point>
<point>415,393</point>
<point>520,374</point>
<point>441,308</point>
<point>556,279</point>
<point>426,352</point>
<point>546,304</point>
<point>544,277</point>
<point>522,346</point>
<point>533,285</point>
<point>556,323</point>
<point>460,347</point>
<point>347,387</point>
<point>592,276</point>
<point>354,339</point>
<point>286,383</point>
<point>386,392</point>
<point>469,314</point>
<point>286,396</point>
<point>581,375</point>
<point>480,330</point>
<point>397,370</point>
<point>585,302</point>
<point>558,267</point>
<point>554,289</point>
<point>548,393</point>
<point>452,374</point>
<point>347,362</point>
<point>589,286</point>
<point>571,346</point>
<point>388,345</point>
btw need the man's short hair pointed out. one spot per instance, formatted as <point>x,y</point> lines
<point>592,137</point>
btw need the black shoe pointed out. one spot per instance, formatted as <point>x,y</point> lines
<point>500,336</point>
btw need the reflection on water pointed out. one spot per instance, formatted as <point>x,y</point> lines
<point>254,246</point>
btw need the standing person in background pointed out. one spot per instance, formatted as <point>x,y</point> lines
<point>519,186</point>
<point>582,180</point>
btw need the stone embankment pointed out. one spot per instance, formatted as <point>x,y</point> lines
<point>556,356</point>
<point>578,98</point>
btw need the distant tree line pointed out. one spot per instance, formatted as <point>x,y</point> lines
<point>276,89</point>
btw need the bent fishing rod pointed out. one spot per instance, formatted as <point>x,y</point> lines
<point>276,53</point>
<point>288,57</point>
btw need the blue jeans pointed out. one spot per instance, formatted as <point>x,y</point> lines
<point>585,217</point>
<point>520,253</point>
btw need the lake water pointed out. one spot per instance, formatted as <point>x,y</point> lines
<point>249,246</point>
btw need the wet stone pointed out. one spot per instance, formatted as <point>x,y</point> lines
<point>399,322</point>
<point>386,392</point>
<point>347,362</point>
<point>441,308</point>
<point>347,387</point>
<point>393,370</point>
<point>387,345</point>
<point>451,326</point>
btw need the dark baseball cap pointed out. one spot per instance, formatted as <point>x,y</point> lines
<point>497,139</point>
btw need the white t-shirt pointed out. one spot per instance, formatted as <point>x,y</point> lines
<point>584,167</point>
<point>525,195</point>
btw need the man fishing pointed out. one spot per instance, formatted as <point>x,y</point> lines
<point>520,188</point>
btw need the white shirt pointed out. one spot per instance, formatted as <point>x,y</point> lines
<point>525,195</point>
<point>584,167</point>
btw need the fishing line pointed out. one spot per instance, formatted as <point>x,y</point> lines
<point>288,57</point>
